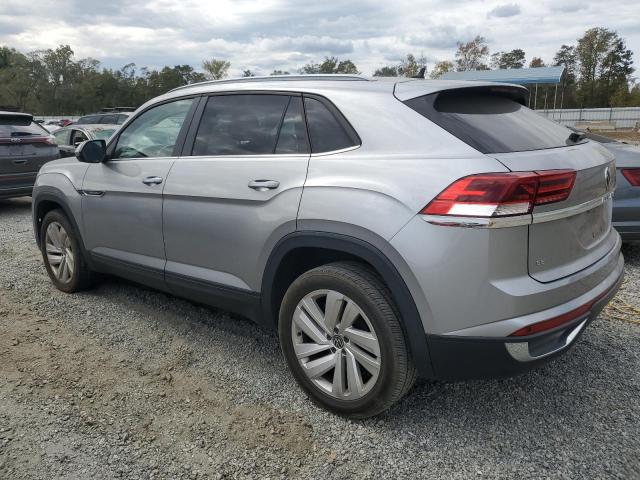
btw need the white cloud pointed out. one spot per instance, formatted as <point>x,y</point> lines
<point>504,11</point>
<point>285,34</point>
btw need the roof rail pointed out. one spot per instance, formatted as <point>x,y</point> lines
<point>268,78</point>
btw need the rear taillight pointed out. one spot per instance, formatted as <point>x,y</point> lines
<point>502,194</point>
<point>554,186</point>
<point>632,175</point>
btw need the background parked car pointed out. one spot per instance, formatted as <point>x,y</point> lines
<point>24,147</point>
<point>626,200</point>
<point>68,138</point>
<point>116,116</point>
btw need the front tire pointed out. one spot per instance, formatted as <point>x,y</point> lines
<point>62,255</point>
<point>342,339</point>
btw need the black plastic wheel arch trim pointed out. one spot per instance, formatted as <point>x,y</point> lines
<point>410,318</point>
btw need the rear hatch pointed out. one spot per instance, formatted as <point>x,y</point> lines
<point>567,235</point>
<point>24,147</point>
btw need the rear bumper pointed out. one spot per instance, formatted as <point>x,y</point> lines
<point>465,358</point>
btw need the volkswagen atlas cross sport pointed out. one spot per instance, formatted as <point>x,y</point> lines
<point>385,229</point>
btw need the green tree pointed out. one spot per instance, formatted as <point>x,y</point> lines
<point>330,65</point>
<point>441,68</point>
<point>566,57</point>
<point>386,71</point>
<point>513,59</point>
<point>216,69</point>
<point>410,65</point>
<point>536,62</point>
<point>247,73</point>
<point>279,72</point>
<point>472,55</point>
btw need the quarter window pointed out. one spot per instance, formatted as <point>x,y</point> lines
<point>154,133</point>
<point>328,130</point>
<point>242,125</point>
<point>293,133</point>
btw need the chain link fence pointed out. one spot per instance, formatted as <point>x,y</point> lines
<point>606,118</point>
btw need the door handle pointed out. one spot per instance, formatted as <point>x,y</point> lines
<point>19,162</point>
<point>264,185</point>
<point>152,180</point>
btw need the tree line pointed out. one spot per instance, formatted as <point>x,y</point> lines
<point>599,69</point>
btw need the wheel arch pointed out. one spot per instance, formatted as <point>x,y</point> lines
<point>301,251</point>
<point>47,199</point>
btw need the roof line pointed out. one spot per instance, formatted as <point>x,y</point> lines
<point>267,78</point>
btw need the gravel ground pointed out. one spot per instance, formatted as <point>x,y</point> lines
<point>123,382</point>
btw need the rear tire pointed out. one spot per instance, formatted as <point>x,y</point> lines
<point>343,341</point>
<point>62,254</point>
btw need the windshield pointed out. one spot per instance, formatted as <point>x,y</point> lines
<point>103,134</point>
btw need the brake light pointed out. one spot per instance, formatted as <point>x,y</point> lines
<point>554,186</point>
<point>632,175</point>
<point>502,194</point>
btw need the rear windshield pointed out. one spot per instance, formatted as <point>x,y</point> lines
<point>33,128</point>
<point>89,119</point>
<point>490,123</point>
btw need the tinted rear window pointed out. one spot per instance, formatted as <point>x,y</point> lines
<point>111,119</point>
<point>89,119</point>
<point>8,130</point>
<point>490,123</point>
<point>240,125</point>
<point>328,130</point>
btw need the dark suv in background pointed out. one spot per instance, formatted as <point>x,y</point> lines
<point>24,147</point>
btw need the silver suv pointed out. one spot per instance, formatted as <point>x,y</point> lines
<point>386,229</point>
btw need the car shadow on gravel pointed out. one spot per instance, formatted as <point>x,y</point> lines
<point>15,205</point>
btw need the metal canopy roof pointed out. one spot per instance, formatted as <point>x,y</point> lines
<point>521,76</point>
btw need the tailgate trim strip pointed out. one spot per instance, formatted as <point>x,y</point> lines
<point>516,220</point>
<point>570,211</point>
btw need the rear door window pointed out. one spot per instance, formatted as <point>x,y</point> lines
<point>77,136</point>
<point>328,129</point>
<point>244,125</point>
<point>62,136</point>
<point>490,122</point>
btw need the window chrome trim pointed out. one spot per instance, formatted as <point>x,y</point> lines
<point>333,152</point>
<point>518,220</point>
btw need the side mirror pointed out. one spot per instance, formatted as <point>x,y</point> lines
<point>92,151</point>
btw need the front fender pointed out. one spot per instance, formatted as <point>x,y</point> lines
<point>56,188</point>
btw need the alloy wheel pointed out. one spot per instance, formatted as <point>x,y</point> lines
<point>60,255</point>
<point>336,344</point>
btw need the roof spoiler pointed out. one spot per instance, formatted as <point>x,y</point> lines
<point>14,118</point>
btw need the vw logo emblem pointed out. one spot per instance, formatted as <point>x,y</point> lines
<point>16,140</point>
<point>338,341</point>
<point>608,179</point>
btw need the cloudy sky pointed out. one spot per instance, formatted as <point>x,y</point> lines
<point>285,34</point>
